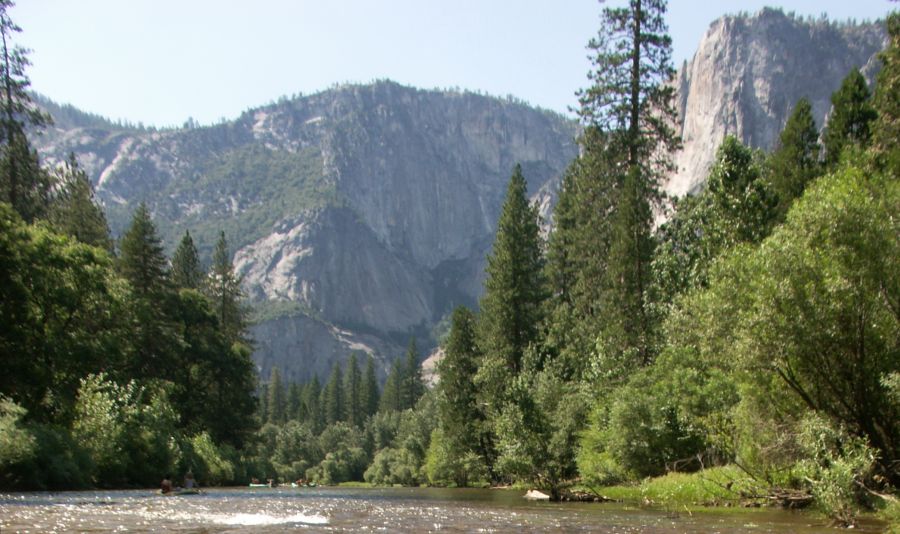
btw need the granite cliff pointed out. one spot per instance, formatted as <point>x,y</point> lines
<point>749,71</point>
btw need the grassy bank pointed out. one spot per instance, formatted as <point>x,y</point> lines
<point>717,486</point>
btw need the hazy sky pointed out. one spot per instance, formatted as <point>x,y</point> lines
<point>162,61</point>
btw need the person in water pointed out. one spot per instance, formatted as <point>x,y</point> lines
<point>189,482</point>
<point>166,485</point>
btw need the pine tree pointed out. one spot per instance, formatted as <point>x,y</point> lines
<point>391,396</point>
<point>795,161</point>
<point>142,261</point>
<point>577,255</point>
<point>628,322</point>
<point>277,403</point>
<point>353,393</point>
<point>851,117</point>
<point>23,183</point>
<point>599,253</point>
<point>630,96</point>
<point>295,402</point>
<point>460,418</point>
<point>413,387</point>
<point>511,309</point>
<point>224,290</point>
<point>312,405</point>
<point>74,209</point>
<point>143,264</point>
<point>369,396</point>
<point>886,100</point>
<point>631,102</point>
<point>334,397</point>
<point>186,271</point>
<point>263,401</point>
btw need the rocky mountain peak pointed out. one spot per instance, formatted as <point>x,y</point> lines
<point>749,71</point>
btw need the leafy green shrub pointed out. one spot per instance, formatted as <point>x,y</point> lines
<point>211,464</point>
<point>16,443</point>
<point>382,428</point>
<point>837,465</point>
<point>444,468</point>
<point>394,466</point>
<point>296,450</point>
<point>127,431</point>
<point>647,427</point>
<point>343,465</point>
<point>38,456</point>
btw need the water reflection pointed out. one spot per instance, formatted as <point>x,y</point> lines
<point>365,510</point>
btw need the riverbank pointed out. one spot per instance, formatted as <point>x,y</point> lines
<point>727,487</point>
<point>241,509</point>
<point>712,490</point>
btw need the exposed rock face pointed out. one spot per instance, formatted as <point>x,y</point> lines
<point>749,72</point>
<point>302,347</point>
<point>360,216</point>
<point>333,263</point>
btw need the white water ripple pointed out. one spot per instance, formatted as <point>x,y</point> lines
<point>264,519</point>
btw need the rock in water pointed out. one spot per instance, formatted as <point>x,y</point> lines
<point>535,495</point>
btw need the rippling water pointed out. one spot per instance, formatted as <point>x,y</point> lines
<point>364,510</point>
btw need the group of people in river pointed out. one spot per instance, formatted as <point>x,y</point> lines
<point>166,486</point>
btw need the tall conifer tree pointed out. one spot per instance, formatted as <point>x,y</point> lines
<point>23,183</point>
<point>511,309</point>
<point>74,209</point>
<point>850,122</point>
<point>460,417</point>
<point>144,265</point>
<point>224,290</point>
<point>609,195</point>
<point>795,161</point>
<point>312,405</point>
<point>295,402</point>
<point>391,396</point>
<point>413,387</point>
<point>186,271</point>
<point>369,396</point>
<point>353,392</point>
<point>333,393</point>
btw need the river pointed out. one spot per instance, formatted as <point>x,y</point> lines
<point>369,510</point>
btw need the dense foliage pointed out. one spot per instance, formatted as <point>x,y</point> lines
<point>116,369</point>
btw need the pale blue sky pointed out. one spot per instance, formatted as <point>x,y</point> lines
<point>162,61</point>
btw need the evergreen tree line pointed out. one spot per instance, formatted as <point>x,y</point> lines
<point>119,364</point>
<point>332,433</point>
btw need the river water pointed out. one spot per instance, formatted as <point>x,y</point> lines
<point>368,510</point>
